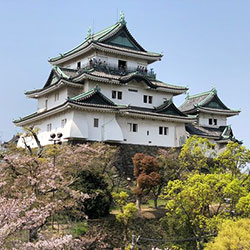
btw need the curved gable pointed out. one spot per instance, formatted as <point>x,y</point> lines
<point>138,78</point>
<point>169,108</point>
<point>123,38</point>
<point>215,103</point>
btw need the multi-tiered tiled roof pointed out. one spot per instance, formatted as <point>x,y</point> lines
<point>94,99</point>
<point>207,102</point>
<point>115,39</point>
<point>63,76</point>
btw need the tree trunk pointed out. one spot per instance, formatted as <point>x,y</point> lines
<point>200,244</point>
<point>125,232</point>
<point>155,202</point>
<point>33,234</point>
<point>138,202</point>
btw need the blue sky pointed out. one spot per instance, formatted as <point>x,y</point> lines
<point>206,43</point>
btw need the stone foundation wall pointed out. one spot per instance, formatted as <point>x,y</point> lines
<point>126,152</point>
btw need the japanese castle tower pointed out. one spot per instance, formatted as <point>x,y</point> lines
<point>103,90</point>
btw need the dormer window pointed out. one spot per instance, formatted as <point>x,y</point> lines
<point>212,121</point>
<point>122,64</point>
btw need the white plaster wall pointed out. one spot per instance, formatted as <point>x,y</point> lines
<point>132,64</point>
<point>204,119</point>
<point>63,94</point>
<point>108,129</point>
<point>44,135</point>
<point>154,138</point>
<point>78,127</point>
<point>72,64</point>
<point>132,98</point>
<point>112,61</point>
<point>74,91</point>
<point>113,128</point>
<point>181,134</point>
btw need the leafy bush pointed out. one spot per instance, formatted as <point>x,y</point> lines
<point>78,229</point>
<point>99,202</point>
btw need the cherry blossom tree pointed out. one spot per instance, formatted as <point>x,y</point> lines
<point>33,188</point>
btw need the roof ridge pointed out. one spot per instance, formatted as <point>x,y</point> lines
<point>212,91</point>
<point>171,85</point>
<point>57,68</point>
<point>108,30</point>
<point>89,94</point>
<point>207,98</point>
<point>87,39</point>
<point>74,98</point>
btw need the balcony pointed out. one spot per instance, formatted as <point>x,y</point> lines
<point>102,66</point>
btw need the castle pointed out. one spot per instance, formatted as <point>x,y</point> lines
<point>104,90</point>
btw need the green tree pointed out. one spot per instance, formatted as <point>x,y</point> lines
<point>120,199</point>
<point>196,153</point>
<point>234,159</point>
<point>169,169</point>
<point>127,212</point>
<point>233,235</point>
<point>99,197</point>
<point>197,205</point>
<point>243,206</point>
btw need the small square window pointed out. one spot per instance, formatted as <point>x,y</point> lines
<point>63,122</point>
<point>133,90</point>
<point>113,94</point>
<point>122,64</point>
<point>78,65</point>
<point>130,126</point>
<point>96,122</point>
<point>150,99</point>
<point>165,130</point>
<point>210,121</point>
<point>133,127</point>
<point>160,130</point>
<point>119,95</point>
<point>49,127</point>
<point>116,94</point>
<point>147,99</point>
<point>56,96</point>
